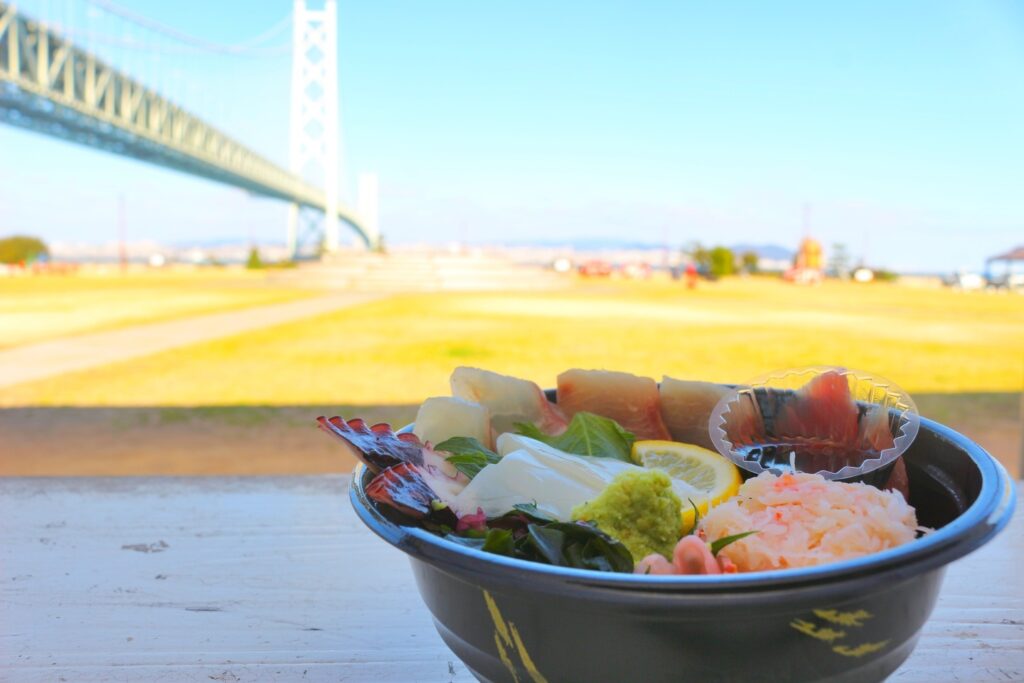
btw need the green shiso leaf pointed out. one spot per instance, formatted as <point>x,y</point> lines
<point>582,545</point>
<point>588,434</point>
<point>587,547</point>
<point>564,544</point>
<point>470,540</point>
<point>531,510</point>
<point>468,455</point>
<point>548,542</point>
<point>716,546</point>
<point>499,542</point>
<point>696,516</point>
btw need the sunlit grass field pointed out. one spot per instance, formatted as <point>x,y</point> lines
<point>38,308</point>
<point>401,350</point>
<point>246,404</point>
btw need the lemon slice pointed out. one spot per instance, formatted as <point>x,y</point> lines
<point>716,478</point>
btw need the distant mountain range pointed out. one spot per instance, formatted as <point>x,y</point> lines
<point>764,251</point>
<point>230,248</point>
<point>215,243</point>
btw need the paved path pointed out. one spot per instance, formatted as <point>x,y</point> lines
<point>49,358</point>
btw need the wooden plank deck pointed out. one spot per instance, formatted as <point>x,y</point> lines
<point>272,579</point>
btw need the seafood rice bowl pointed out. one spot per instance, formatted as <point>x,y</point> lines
<point>661,564</point>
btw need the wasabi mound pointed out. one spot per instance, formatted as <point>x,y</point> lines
<point>640,510</point>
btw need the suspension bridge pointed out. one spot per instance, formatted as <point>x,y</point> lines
<point>55,80</point>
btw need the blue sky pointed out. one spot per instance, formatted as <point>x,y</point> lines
<point>897,123</point>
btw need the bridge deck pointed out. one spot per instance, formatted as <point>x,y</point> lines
<point>49,85</point>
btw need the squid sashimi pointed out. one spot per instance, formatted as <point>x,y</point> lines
<point>442,417</point>
<point>630,400</point>
<point>686,408</point>
<point>531,471</point>
<point>509,399</point>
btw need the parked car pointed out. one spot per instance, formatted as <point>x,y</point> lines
<point>595,268</point>
<point>637,271</point>
<point>966,282</point>
<point>1011,281</point>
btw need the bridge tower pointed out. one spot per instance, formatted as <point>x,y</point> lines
<point>314,144</point>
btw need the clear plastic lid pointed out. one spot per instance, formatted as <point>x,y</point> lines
<point>834,421</point>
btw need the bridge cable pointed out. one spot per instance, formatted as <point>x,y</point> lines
<point>250,47</point>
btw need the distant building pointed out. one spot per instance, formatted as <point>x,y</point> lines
<point>810,254</point>
<point>808,266</point>
<point>1009,276</point>
<point>1009,258</point>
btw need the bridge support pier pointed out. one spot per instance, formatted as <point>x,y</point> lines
<point>314,145</point>
<point>332,229</point>
<point>309,232</point>
<point>366,205</point>
<point>291,240</point>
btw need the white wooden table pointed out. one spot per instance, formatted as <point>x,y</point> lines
<point>274,579</point>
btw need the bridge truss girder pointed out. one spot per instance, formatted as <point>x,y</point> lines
<point>50,86</point>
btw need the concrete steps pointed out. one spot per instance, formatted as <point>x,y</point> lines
<point>420,272</point>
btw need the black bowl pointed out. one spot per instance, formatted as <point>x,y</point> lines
<point>857,620</point>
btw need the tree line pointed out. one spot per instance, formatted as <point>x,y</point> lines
<point>720,261</point>
<point>22,249</point>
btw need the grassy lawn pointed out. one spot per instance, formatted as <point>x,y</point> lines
<point>245,404</point>
<point>41,307</point>
<point>401,350</point>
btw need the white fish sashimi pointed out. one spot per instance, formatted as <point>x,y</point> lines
<point>533,472</point>
<point>686,407</point>
<point>509,399</point>
<point>442,417</point>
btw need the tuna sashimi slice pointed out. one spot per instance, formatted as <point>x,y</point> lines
<point>686,408</point>
<point>898,480</point>
<point>630,400</point>
<point>509,400</point>
<point>823,409</point>
<point>875,429</point>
